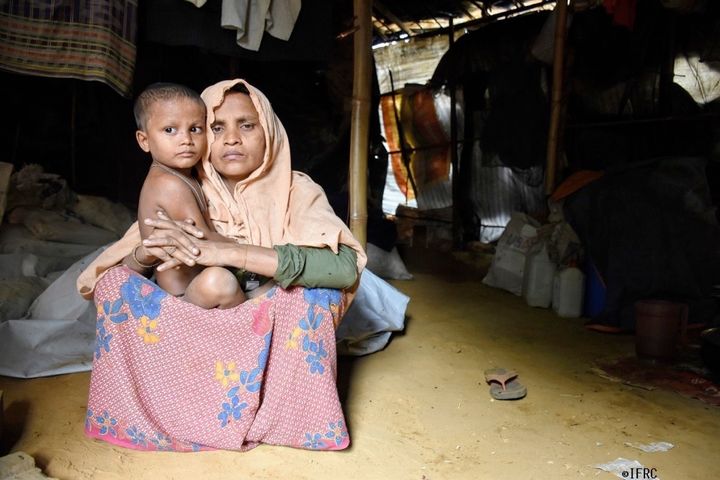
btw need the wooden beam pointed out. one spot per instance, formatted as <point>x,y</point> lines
<point>360,118</point>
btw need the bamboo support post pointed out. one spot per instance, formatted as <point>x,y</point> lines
<point>73,135</point>
<point>362,69</point>
<point>556,105</point>
<point>457,218</point>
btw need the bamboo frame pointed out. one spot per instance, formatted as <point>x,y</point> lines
<point>392,17</point>
<point>360,118</point>
<point>556,105</point>
<point>454,160</point>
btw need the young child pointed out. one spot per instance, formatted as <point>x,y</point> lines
<point>171,127</point>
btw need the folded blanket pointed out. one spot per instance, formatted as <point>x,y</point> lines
<point>168,375</point>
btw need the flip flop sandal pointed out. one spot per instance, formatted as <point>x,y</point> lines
<point>504,384</point>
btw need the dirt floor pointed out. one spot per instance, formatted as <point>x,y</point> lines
<point>420,409</point>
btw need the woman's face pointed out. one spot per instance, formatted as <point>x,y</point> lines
<point>239,146</point>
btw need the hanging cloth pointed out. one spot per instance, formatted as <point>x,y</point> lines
<point>623,12</point>
<point>252,18</point>
<point>70,39</point>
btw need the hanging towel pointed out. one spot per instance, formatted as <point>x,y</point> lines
<point>251,18</point>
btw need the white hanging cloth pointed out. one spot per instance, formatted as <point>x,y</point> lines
<point>251,18</point>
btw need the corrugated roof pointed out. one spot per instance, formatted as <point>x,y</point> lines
<point>399,19</point>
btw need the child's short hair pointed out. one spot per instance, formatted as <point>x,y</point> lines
<point>158,92</point>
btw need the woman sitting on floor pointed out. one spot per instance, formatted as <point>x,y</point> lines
<point>168,375</point>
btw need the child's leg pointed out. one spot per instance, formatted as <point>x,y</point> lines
<point>214,287</point>
<point>176,280</point>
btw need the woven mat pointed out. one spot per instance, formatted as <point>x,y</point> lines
<point>686,376</point>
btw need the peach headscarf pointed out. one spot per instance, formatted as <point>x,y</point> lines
<point>273,206</point>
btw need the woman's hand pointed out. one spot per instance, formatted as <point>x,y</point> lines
<point>182,243</point>
<point>172,242</point>
<point>221,253</point>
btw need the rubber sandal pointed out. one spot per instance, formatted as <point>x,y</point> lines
<point>504,384</point>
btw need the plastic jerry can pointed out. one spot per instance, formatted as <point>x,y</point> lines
<point>595,291</point>
<point>538,279</point>
<point>568,292</point>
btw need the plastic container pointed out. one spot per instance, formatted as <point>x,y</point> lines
<point>538,278</point>
<point>595,291</point>
<point>568,292</point>
<point>660,326</point>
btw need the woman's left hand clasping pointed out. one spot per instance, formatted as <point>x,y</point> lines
<point>174,239</point>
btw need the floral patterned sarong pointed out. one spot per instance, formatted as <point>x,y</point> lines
<point>168,375</point>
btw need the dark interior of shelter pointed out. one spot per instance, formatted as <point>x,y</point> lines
<point>588,188</point>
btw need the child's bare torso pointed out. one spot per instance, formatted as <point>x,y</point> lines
<point>180,197</point>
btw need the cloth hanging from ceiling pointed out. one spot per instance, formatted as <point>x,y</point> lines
<point>251,18</point>
<point>180,23</point>
<point>69,39</point>
<point>623,12</point>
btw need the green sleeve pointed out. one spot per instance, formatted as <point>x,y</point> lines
<point>315,267</point>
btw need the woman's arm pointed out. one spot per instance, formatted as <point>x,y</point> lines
<point>260,260</point>
<point>140,261</point>
<point>316,267</point>
<point>182,243</point>
<point>287,264</point>
<point>143,258</point>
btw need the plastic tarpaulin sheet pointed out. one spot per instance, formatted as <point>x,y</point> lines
<point>57,337</point>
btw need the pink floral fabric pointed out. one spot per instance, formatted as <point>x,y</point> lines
<point>168,375</point>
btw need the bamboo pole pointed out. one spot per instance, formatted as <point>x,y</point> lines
<point>73,135</point>
<point>362,69</point>
<point>457,217</point>
<point>556,105</point>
